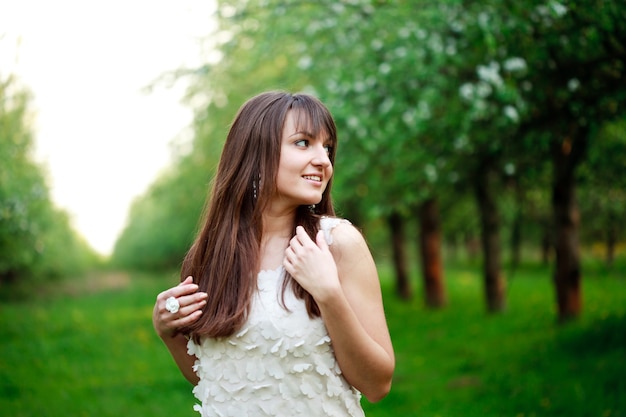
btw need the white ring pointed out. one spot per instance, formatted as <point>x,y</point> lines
<point>172,305</point>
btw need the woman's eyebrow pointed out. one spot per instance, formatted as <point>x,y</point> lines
<point>303,133</point>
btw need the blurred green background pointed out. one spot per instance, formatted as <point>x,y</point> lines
<point>86,348</point>
<point>482,151</point>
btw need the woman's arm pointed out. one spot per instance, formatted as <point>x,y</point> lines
<point>166,324</point>
<point>345,286</point>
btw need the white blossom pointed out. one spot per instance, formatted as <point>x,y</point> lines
<point>480,107</point>
<point>515,64</point>
<point>460,143</point>
<point>359,86</point>
<point>337,7</point>
<point>408,117</point>
<point>386,105</point>
<point>435,43</point>
<point>401,52</point>
<point>573,84</point>
<point>542,10</point>
<point>467,91</point>
<point>451,49</point>
<point>558,8</point>
<point>384,68</point>
<point>423,110</point>
<point>509,168</point>
<point>457,26</point>
<point>483,89</point>
<point>490,73</point>
<point>404,32</point>
<point>511,113</point>
<point>377,44</point>
<point>305,62</point>
<point>483,20</point>
<point>431,173</point>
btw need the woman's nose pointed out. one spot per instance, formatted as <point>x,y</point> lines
<point>321,156</point>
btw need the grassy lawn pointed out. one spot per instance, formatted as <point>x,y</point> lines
<point>89,350</point>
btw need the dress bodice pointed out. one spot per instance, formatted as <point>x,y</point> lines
<point>280,363</point>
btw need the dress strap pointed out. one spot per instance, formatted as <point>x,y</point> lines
<point>327,224</point>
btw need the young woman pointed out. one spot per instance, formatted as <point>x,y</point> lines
<point>279,311</point>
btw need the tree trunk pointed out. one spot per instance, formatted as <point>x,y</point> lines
<point>430,253</point>
<point>396,227</point>
<point>567,275</point>
<point>495,288</point>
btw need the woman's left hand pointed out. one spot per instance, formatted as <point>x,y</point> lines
<point>312,264</point>
<point>351,307</point>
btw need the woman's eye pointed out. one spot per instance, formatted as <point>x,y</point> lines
<point>329,149</point>
<point>302,143</point>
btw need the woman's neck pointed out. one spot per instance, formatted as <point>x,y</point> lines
<point>278,225</point>
<point>277,231</point>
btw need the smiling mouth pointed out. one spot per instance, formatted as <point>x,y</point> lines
<point>312,177</point>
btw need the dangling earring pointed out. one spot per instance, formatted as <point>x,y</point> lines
<point>312,208</point>
<point>255,185</point>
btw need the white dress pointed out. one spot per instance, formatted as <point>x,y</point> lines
<point>281,362</point>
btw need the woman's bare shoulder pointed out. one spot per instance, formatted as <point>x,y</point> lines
<point>347,242</point>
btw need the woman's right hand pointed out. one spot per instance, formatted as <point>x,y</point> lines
<point>191,301</point>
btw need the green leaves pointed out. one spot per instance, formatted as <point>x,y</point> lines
<point>36,239</point>
<point>423,92</point>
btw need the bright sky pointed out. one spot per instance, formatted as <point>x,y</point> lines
<point>101,138</point>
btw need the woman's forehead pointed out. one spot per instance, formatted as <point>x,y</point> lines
<point>303,122</point>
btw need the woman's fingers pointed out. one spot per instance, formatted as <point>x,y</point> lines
<point>302,237</point>
<point>190,303</point>
<point>187,315</point>
<point>183,301</point>
<point>186,293</point>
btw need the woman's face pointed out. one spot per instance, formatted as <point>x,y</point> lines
<point>304,168</point>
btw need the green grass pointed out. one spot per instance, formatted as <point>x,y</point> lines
<point>462,362</point>
<point>89,350</point>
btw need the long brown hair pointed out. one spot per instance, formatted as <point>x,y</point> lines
<point>224,258</point>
